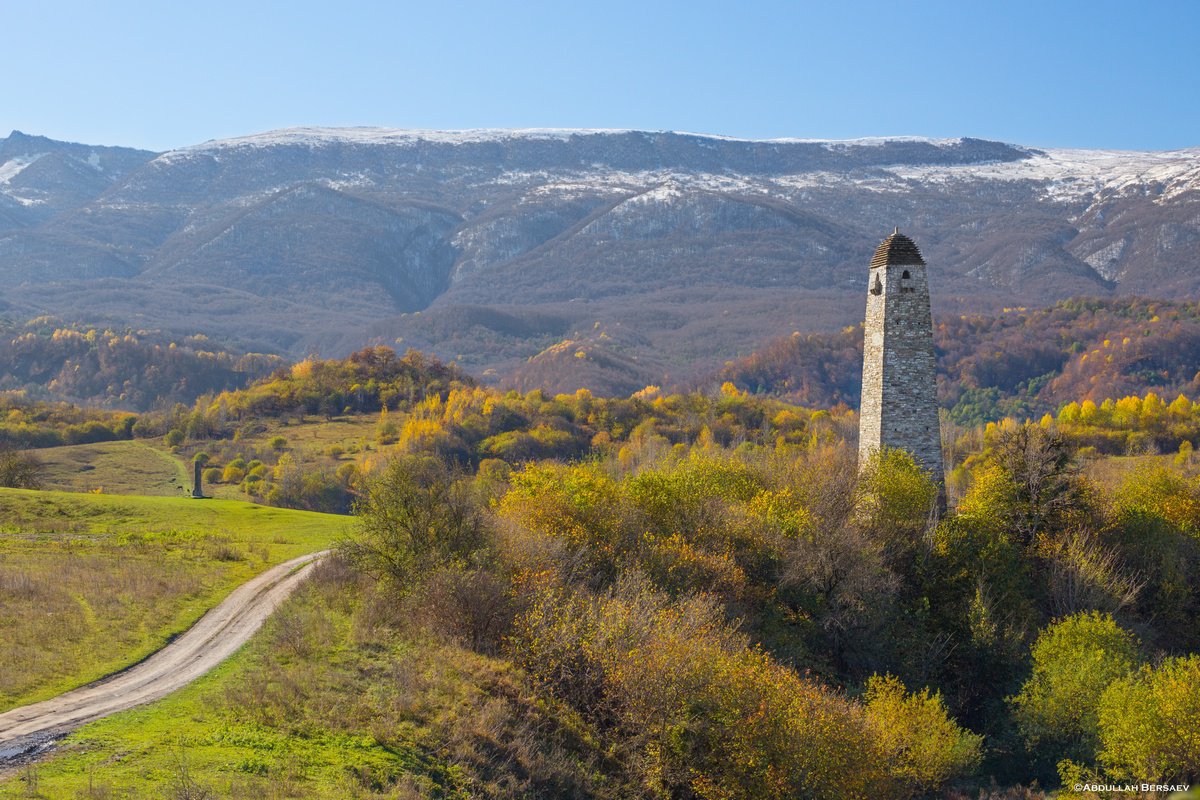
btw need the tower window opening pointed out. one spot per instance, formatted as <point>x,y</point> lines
<point>905,287</point>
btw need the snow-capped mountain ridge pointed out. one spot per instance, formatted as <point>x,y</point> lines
<point>694,247</point>
<point>1069,173</point>
<point>315,136</point>
<point>1074,172</point>
<point>550,148</point>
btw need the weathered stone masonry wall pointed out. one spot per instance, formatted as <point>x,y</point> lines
<point>899,398</point>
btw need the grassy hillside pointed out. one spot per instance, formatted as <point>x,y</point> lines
<point>124,467</point>
<point>150,468</point>
<point>329,700</point>
<point>92,583</point>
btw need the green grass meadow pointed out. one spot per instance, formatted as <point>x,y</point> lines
<point>124,467</point>
<point>90,583</point>
<point>310,708</point>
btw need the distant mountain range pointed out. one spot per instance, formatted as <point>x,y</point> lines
<point>607,258</point>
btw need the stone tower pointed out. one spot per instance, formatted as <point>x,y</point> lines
<point>899,390</point>
<point>197,486</point>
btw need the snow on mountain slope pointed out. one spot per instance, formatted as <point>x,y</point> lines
<point>1063,175</point>
<point>11,168</point>
<point>1071,174</point>
<point>317,136</point>
<point>698,245</point>
<point>44,177</point>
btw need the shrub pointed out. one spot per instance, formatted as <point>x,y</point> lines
<point>471,604</point>
<point>89,433</point>
<point>1150,723</point>
<point>579,505</point>
<point>924,748</point>
<point>19,470</point>
<point>896,498</point>
<point>700,713</point>
<point>1160,492</point>
<point>1074,661</point>
<point>387,433</point>
<point>307,487</point>
<point>413,517</point>
<point>1184,457</point>
<point>687,497</point>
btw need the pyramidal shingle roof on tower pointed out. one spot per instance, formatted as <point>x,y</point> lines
<point>895,250</point>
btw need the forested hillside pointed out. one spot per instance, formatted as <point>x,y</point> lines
<point>1019,363</point>
<point>48,359</point>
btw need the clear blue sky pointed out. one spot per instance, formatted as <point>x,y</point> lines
<point>167,74</point>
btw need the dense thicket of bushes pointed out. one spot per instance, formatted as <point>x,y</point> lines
<point>764,620</point>
<point>598,584</point>
<point>25,424</point>
<point>366,381</point>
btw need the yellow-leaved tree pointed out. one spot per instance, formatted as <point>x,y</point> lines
<point>1149,723</point>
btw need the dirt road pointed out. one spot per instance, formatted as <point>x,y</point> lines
<point>30,729</point>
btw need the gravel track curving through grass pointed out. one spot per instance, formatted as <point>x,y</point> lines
<point>31,729</point>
